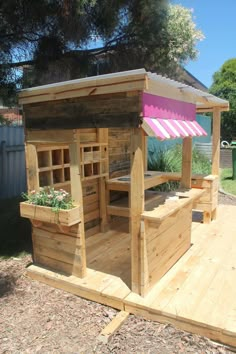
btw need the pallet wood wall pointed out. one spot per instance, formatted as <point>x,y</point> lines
<point>55,249</point>
<point>49,164</point>
<point>119,152</point>
<point>103,111</point>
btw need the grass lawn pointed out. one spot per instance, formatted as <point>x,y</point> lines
<point>15,231</point>
<point>227,183</point>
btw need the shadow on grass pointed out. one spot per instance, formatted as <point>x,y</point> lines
<point>227,178</point>
<point>15,231</point>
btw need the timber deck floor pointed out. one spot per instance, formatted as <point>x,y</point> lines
<point>197,294</point>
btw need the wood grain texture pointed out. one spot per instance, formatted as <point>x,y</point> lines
<point>91,86</point>
<point>216,142</point>
<point>91,112</point>
<point>136,204</point>
<point>186,163</point>
<point>79,265</point>
<point>112,327</point>
<point>32,167</point>
<point>165,243</point>
<point>50,136</point>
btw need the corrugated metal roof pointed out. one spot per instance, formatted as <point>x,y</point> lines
<point>90,79</point>
<point>209,98</point>
<point>202,99</point>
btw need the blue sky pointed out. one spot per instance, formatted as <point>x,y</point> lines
<point>217,20</point>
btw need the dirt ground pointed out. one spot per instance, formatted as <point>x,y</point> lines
<point>35,318</point>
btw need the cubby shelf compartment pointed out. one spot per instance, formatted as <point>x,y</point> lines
<point>53,165</point>
<point>94,160</point>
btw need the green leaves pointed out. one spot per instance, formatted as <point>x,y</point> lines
<point>224,86</point>
<point>48,196</point>
<point>61,38</point>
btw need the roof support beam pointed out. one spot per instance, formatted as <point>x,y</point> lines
<point>216,141</point>
<point>186,163</point>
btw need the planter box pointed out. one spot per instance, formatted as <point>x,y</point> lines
<point>45,214</point>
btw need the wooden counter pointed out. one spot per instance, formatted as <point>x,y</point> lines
<point>151,179</point>
<point>207,202</point>
<point>165,235</point>
<point>154,178</point>
<point>160,212</point>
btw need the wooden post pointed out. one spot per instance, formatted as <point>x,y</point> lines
<point>186,163</point>
<point>102,137</point>
<point>216,142</point>
<point>144,273</point>
<point>145,152</point>
<point>215,169</point>
<point>32,167</point>
<point>79,265</point>
<point>136,205</point>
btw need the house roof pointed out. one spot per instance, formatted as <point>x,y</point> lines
<point>139,80</point>
<point>191,80</point>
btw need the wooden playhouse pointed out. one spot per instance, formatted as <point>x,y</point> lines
<point>89,137</point>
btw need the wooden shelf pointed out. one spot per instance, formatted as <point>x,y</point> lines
<point>56,167</point>
<point>120,207</point>
<point>155,206</point>
<point>53,166</point>
<point>54,163</point>
<point>95,176</point>
<point>151,179</point>
<point>94,160</point>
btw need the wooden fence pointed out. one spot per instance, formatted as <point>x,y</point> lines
<point>12,161</point>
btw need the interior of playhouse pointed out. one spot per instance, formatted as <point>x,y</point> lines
<point>126,227</point>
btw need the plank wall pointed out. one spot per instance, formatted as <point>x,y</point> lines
<point>102,111</point>
<point>51,161</point>
<point>209,201</point>
<point>55,249</point>
<point>119,151</point>
<point>162,244</point>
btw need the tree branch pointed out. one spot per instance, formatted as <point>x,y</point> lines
<point>90,52</point>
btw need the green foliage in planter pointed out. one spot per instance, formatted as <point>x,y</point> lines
<point>170,160</point>
<point>49,197</point>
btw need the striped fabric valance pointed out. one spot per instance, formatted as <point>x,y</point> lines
<point>172,128</point>
<point>167,118</point>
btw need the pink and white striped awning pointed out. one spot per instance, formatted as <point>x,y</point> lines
<point>172,128</point>
<point>167,118</point>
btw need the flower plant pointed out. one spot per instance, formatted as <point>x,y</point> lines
<point>49,197</point>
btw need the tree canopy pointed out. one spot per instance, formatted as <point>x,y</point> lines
<point>224,86</point>
<point>116,34</point>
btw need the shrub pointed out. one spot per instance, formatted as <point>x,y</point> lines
<point>170,160</point>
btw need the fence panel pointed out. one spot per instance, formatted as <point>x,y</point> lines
<point>12,162</point>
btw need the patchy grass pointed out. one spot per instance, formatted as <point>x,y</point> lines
<point>227,183</point>
<point>15,231</point>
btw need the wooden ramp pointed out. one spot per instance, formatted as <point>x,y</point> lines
<point>198,294</point>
